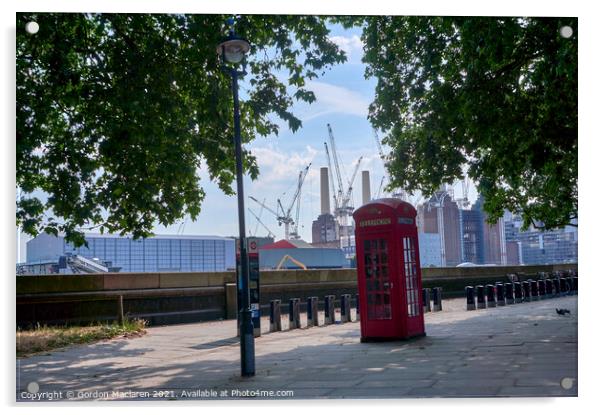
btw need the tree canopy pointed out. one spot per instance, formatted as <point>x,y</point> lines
<point>116,112</point>
<point>493,97</point>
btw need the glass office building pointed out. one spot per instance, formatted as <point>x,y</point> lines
<point>155,254</point>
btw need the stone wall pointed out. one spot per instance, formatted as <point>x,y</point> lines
<point>169,298</point>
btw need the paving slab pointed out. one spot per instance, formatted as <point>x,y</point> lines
<point>519,350</point>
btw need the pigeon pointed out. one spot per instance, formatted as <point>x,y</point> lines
<point>563,311</point>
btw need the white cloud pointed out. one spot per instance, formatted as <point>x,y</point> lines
<point>349,44</point>
<point>280,168</point>
<point>332,99</point>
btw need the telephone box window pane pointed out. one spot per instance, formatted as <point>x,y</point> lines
<point>377,279</point>
<point>409,267</point>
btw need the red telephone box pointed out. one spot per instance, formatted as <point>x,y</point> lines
<point>388,271</point>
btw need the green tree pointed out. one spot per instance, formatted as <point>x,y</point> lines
<point>495,96</point>
<point>115,112</point>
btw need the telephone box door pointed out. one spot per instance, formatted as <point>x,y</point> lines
<point>378,285</point>
<point>414,321</point>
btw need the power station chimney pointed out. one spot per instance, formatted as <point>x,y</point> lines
<point>365,187</point>
<point>324,191</point>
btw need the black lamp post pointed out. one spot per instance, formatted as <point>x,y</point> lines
<point>232,50</point>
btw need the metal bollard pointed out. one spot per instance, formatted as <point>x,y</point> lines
<point>470,305</point>
<point>556,282</point>
<point>481,298</point>
<point>345,308</point>
<point>357,307</point>
<point>563,286</point>
<point>329,310</point>
<point>541,289</point>
<point>575,281</point>
<point>509,293</point>
<point>275,320</point>
<point>518,292</point>
<point>120,317</point>
<point>534,290</point>
<point>294,319</point>
<point>312,312</point>
<point>526,291</point>
<point>426,300</point>
<point>501,298</point>
<point>569,283</point>
<point>437,299</point>
<point>549,288</point>
<point>490,290</point>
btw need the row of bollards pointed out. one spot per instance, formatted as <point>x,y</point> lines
<point>515,292</point>
<point>437,299</point>
<point>294,319</point>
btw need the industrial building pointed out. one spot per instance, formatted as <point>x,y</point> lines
<point>154,254</point>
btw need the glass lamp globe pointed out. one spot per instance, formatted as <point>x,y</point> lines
<point>233,49</point>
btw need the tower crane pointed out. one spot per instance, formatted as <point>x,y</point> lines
<point>258,218</point>
<point>259,222</point>
<point>342,200</point>
<point>437,201</point>
<point>331,177</point>
<point>347,198</point>
<point>382,180</point>
<point>401,194</point>
<point>283,216</point>
<point>335,161</point>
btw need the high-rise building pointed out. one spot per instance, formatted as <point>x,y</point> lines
<point>428,222</point>
<point>472,236</point>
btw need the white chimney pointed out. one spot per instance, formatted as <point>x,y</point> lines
<point>365,187</point>
<point>324,191</point>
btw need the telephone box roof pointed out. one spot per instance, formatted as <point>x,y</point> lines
<point>398,205</point>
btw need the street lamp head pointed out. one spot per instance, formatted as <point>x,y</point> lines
<point>233,48</point>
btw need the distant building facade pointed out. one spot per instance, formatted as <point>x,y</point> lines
<point>546,247</point>
<point>324,229</point>
<point>473,246</point>
<point>155,254</point>
<point>429,245</point>
<point>427,223</point>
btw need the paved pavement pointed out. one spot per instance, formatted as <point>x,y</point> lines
<point>519,350</point>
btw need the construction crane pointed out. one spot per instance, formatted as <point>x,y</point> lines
<point>401,194</point>
<point>335,161</point>
<point>259,222</point>
<point>332,188</point>
<point>342,200</point>
<point>464,201</point>
<point>283,216</point>
<point>437,201</point>
<point>347,198</point>
<point>382,180</point>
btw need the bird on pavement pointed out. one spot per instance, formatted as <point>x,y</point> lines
<point>563,311</point>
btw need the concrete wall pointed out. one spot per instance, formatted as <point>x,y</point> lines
<point>168,298</point>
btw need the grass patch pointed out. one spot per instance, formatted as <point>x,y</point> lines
<point>44,338</point>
